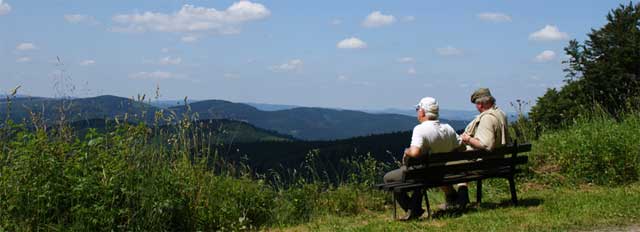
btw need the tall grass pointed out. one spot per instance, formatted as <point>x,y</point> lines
<point>598,149</point>
<point>136,177</point>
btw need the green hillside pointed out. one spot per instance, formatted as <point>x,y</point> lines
<point>105,107</point>
<point>303,122</point>
<point>307,122</point>
<point>224,131</point>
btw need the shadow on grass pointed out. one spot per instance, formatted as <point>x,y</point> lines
<point>474,207</point>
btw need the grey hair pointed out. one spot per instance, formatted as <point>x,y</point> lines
<point>431,116</point>
<point>486,99</point>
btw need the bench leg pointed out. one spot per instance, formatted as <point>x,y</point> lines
<point>479,192</point>
<point>512,187</point>
<point>426,200</point>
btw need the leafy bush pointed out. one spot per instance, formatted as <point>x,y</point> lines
<point>132,177</point>
<point>600,150</point>
<point>119,181</point>
<point>352,199</point>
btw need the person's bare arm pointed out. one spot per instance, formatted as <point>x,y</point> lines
<point>411,152</point>
<point>473,142</point>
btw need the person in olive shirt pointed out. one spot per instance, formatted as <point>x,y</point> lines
<point>488,131</point>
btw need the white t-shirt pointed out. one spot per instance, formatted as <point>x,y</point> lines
<point>434,137</point>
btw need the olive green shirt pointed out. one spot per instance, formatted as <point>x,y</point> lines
<point>490,128</point>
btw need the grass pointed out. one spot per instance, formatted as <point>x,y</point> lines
<point>599,150</point>
<point>585,207</point>
<point>133,177</point>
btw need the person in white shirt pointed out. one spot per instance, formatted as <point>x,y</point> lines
<point>430,136</point>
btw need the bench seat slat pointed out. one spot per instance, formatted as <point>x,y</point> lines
<point>451,181</point>
<point>448,180</point>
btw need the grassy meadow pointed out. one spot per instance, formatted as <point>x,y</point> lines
<point>141,177</point>
<point>582,208</point>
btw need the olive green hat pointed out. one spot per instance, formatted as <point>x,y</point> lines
<point>481,92</point>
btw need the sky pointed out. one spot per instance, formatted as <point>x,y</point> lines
<point>337,54</point>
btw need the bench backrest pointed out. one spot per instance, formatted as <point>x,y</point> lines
<point>435,166</point>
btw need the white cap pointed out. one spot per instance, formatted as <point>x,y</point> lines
<point>429,105</point>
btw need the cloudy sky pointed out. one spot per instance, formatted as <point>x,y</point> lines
<point>347,54</point>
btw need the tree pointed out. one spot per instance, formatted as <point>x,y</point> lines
<point>603,71</point>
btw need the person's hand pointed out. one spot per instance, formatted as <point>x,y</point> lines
<point>465,138</point>
<point>405,157</point>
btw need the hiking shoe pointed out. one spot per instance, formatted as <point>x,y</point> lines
<point>463,196</point>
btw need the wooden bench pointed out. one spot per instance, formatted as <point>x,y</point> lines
<point>451,168</point>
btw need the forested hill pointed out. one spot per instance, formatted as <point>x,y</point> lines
<point>263,156</point>
<point>53,109</point>
<point>217,131</point>
<point>309,123</point>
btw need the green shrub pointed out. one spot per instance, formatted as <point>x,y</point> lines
<point>120,181</point>
<point>298,204</point>
<point>600,150</point>
<point>352,199</point>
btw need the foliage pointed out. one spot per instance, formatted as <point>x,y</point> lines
<point>596,150</point>
<point>132,177</point>
<point>118,181</point>
<point>604,71</point>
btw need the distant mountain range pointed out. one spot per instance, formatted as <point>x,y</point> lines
<point>307,123</point>
<point>456,115</point>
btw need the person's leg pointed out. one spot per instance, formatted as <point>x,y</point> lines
<point>416,203</point>
<point>450,196</point>
<point>402,198</point>
<point>463,195</point>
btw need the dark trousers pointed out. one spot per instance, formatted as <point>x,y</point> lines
<point>414,203</point>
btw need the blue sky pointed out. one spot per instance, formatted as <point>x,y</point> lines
<point>346,54</point>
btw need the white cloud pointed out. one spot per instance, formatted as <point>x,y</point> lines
<point>23,59</point>
<point>449,51</point>
<point>336,22</point>
<point>26,47</point>
<point>408,19</point>
<point>157,75</point>
<point>545,56</point>
<point>164,50</point>
<point>292,65</point>
<point>411,71</point>
<point>170,61</point>
<point>494,17</point>
<point>351,43</point>
<point>377,19</point>
<point>5,8</point>
<point>80,18</point>
<point>193,19</point>
<point>189,39</point>
<point>549,33</point>
<point>87,62</point>
<point>343,78</point>
<point>406,60</point>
